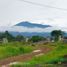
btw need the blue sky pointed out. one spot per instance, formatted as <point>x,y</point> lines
<point>15,11</point>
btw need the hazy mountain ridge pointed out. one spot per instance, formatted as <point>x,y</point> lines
<point>30,29</point>
<point>31,25</point>
<point>44,34</point>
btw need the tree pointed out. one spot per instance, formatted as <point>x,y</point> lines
<point>36,38</point>
<point>1,35</point>
<point>56,34</point>
<point>8,36</point>
<point>19,38</point>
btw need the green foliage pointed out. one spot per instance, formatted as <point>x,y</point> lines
<point>7,35</point>
<point>19,37</point>
<point>14,49</point>
<point>10,37</point>
<point>51,57</point>
<point>54,56</point>
<point>36,38</point>
<point>17,48</point>
<point>1,35</point>
<point>37,65</point>
<point>56,33</point>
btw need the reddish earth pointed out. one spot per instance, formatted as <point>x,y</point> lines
<point>24,57</point>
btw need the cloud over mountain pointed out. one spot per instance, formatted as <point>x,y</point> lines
<point>29,29</point>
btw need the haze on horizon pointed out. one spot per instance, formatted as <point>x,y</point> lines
<point>15,11</point>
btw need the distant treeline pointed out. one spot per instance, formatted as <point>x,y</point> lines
<point>54,34</point>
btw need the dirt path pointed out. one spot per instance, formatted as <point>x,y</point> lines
<point>24,57</point>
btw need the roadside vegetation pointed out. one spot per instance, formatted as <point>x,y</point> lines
<point>53,58</point>
<point>14,49</point>
<point>19,45</point>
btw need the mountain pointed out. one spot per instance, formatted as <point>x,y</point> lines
<point>31,25</point>
<point>28,34</point>
<point>29,29</point>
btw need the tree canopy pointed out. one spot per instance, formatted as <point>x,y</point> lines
<point>19,37</point>
<point>7,35</point>
<point>37,38</point>
<point>56,33</point>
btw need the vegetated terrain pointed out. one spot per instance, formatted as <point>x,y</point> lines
<point>57,57</point>
<point>14,49</point>
<point>57,54</point>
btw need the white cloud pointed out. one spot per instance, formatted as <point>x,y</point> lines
<point>15,11</point>
<point>36,29</point>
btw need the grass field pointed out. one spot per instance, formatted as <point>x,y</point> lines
<point>14,49</point>
<point>59,49</point>
<point>52,57</point>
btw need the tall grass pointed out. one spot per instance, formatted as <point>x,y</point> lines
<point>14,49</point>
<point>52,57</point>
